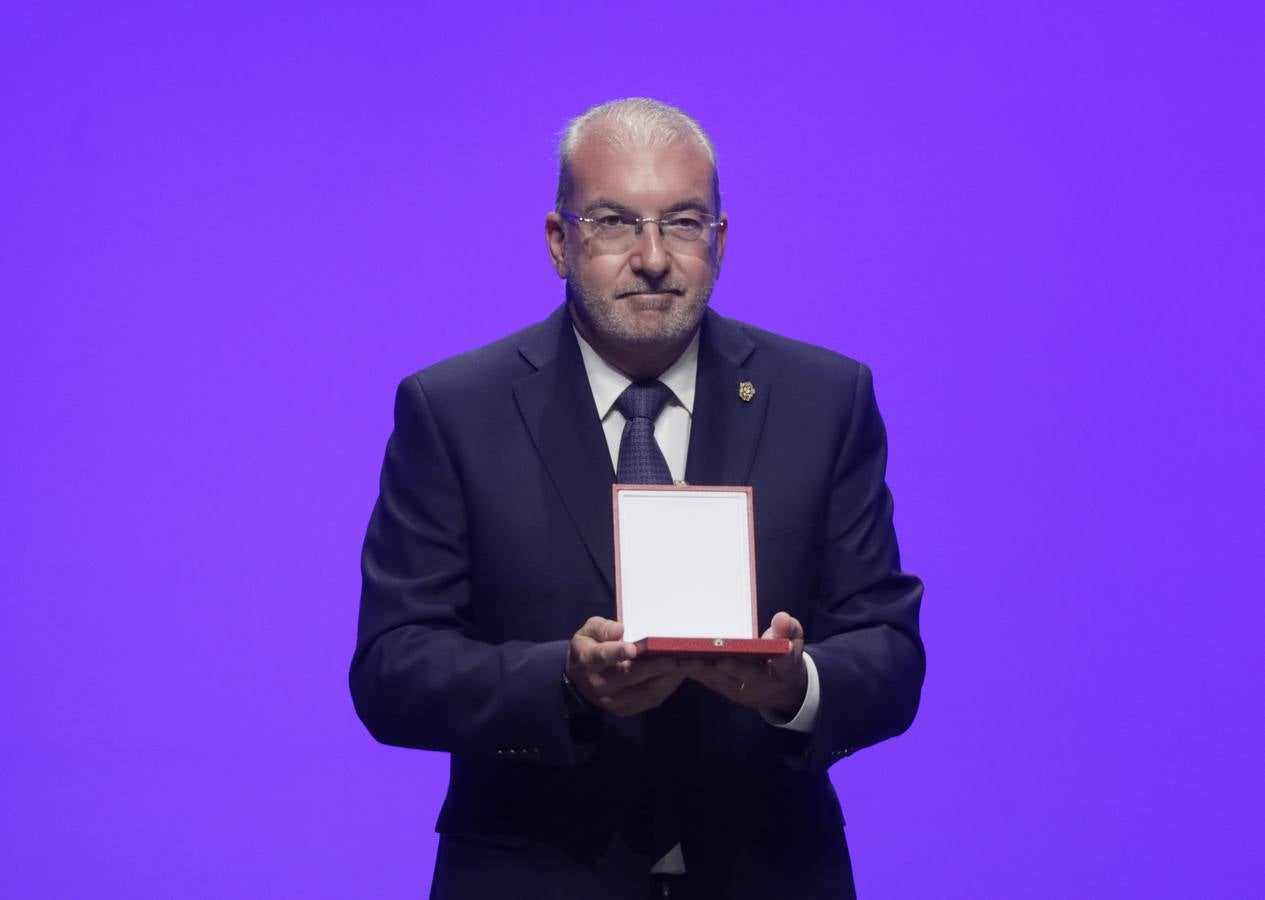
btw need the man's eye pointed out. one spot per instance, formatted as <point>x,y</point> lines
<point>610,221</point>
<point>685,222</point>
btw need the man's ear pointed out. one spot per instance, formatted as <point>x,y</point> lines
<point>556,238</point>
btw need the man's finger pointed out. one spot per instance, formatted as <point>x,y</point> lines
<point>601,630</point>
<point>623,675</point>
<point>608,653</point>
<point>646,695</point>
<point>717,680</point>
<point>780,666</point>
<point>637,671</point>
<point>742,669</point>
<point>664,681</point>
<point>784,625</point>
<point>726,685</point>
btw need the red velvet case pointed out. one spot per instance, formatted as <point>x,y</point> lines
<point>756,648</point>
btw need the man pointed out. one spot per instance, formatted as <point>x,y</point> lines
<point>579,769</point>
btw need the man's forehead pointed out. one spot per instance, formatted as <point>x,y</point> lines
<point>641,172</point>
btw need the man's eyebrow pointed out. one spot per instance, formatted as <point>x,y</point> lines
<point>692,203</point>
<point>600,203</point>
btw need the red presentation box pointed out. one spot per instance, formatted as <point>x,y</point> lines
<point>685,562</point>
<point>754,648</point>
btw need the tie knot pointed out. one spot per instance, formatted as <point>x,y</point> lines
<point>643,400</point>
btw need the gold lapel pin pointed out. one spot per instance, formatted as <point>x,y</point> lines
<point>746,391</point>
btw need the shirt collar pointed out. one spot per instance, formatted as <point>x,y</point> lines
<point>607,382</point>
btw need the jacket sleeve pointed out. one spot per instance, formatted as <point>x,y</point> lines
<point>864,635</point>
<point>418,677</point>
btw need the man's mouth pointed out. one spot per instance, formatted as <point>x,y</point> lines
<point>663,292</point>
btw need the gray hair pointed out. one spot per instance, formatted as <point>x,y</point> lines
<point>632,121</point>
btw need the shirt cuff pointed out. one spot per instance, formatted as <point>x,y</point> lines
<point>804,721</point>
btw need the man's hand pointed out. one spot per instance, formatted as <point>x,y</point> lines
<point>776,686</point>
<point>606,672</point>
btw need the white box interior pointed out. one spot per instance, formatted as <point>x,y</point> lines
<point>685,564</point>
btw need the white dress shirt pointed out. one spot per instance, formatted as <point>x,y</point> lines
<point>672,434</point>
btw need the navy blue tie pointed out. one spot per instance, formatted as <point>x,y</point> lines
<point>640,459</point>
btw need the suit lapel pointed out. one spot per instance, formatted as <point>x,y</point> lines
<point>556,404</point>
<point>557,408</point>
<point>726,429</point>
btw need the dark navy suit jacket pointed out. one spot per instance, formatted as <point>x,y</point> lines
<point>491,544</point>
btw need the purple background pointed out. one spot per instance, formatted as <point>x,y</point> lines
<point>228,234</point>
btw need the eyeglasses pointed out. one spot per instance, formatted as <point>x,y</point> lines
<point>616,232</point>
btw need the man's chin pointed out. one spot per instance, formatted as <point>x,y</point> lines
<point>642,320</point>
<point>638,304</point>
<point>650,328</point>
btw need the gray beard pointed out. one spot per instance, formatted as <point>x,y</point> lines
<point>601,314</point>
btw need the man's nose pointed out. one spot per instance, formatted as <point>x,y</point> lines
<point>649,254</point>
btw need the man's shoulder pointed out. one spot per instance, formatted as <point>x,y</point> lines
<point>492,364</point>
<point>792,356</point>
